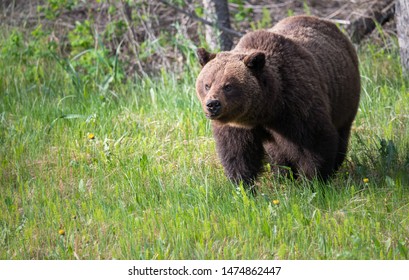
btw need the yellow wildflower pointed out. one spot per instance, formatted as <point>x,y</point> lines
<point>366,180</point>
<point>91,136</point>
<point>61,232</point>
<point>276,202</point>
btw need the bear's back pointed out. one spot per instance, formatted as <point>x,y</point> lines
<point>317,35</point>
<point>335,56</point>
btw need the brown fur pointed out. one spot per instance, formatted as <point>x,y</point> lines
<point>288,95</point>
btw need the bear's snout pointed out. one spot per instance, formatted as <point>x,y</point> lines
<point>213,107</point>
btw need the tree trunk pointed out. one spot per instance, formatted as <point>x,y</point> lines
<point>217,11</point>
<point>223,19</point>
<point>402,26</point>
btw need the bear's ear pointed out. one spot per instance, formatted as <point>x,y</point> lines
<point>204,56</point>
<point>255,60</point>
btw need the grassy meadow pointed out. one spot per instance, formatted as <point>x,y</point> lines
<point>97,169</point>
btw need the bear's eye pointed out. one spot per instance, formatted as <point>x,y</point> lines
<point>227,88</point>
<point>207,87</point>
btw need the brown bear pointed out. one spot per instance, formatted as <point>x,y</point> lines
<point>287,95</point>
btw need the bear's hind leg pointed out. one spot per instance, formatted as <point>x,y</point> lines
<point>241,152</point>
<point>318,159</point>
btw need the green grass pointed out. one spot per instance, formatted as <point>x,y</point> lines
<point>150,186</point>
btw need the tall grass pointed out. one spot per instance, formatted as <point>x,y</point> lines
<point>129,171</point>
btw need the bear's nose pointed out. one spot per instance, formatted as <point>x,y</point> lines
<point>213,106</point>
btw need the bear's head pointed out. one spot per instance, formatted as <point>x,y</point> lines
<point>231,86</point>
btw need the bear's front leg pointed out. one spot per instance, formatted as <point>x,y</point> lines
<point>240,151</point>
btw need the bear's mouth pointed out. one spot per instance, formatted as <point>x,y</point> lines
<point>212,116</point>
<point>219,116</point>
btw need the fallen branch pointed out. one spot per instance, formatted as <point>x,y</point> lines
<point>379,13</point>
<point>194,16</point>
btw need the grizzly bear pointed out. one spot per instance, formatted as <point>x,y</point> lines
<point>287,95</point>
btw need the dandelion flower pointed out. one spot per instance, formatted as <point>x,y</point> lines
<point>61,232</point>
<point>91,136</point>
<point>276,202</point>
<point>366,180</point>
